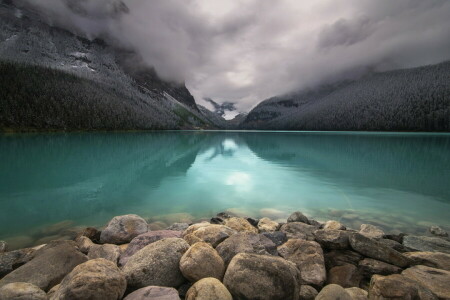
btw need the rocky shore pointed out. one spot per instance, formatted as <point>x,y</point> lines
<point>230,257</point>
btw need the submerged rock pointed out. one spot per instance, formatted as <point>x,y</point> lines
<point>298,230</point>
<point>267,225</point>
<point>21,291</point>
<point>145,239</point>
<point>431,259</point>
<point>201,261</point>
<point>332,239</point>
<point>154,293</point>
<point>308,257</point>
<point>436,280</point>
<point>95,279</point>
<point>253,276</point>
<point>345,276</point>
<point>298,217</point>
<point>373,249</point>
<point>49,266</point>
<point>333,225</point>
<point>371,231</point>
<point>156,264</point>
<point>438,231</point>
<point>178,227</point>
<point>240,225</point>
<point>122,229</point>
<point>208,289</point>
<point>333,292</point>
<point>107,251</point>
<point>245,242</point>
<point>426,243</point>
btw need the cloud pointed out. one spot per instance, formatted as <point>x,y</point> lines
<point>245,51</point>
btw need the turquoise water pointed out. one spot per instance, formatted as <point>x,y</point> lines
<point>398,181</point>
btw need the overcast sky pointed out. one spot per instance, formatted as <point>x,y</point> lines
<point>245,51</point>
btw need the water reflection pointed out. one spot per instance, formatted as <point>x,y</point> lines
<point>88,178</point>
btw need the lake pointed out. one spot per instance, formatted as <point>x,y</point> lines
<point>51,184</point>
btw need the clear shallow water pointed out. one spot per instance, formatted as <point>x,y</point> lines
<point>398,181</point>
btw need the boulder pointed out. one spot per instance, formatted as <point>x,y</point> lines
<point>178,227</point>
<point>277,237</point>
<point>435,280</point>
<point>307,292</point>
<point>156,264</point>
<point>333,225</point>
<point>252,221</point>
<point>21,291</point>
<point>357,293</point>
<point>107,251</point>
<point>240,225</point>
<point>245,242</point>
<point>84,243</point>
<point>436,260</point>
<point>426,243</point>
<point>371,266</point>
<point>396,286</point>
<point>95,279</point>
<point>122,229</point>
<point>298,217</point>
<point>191,239</point>
<point>211,233</point>
<point>332,239</point>
<point>11,260</point>
<point>154,293</point>
<point>52,291</point>
<point>333,292</point>
<point>298,230</point>
<point>371,231</point>
<point>145,239</point>
<point>394,245</point>
<point>208,289</point>
<point>341,257</point>
<point>49,265</point>
<point>308,257</point>
<point>267,225</point>
<point>3,246</point>
<point>438,231</point>
<point>345,276</point>
<point>253,276</point>
<point>91,233</point>
<point>201,261</point>
<point>373,249</point>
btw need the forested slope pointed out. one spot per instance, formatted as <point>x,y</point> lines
<point>415,99</point>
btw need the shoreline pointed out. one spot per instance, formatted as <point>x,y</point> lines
<point>231,257</point>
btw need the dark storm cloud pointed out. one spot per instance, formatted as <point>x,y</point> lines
<point>247,50</point>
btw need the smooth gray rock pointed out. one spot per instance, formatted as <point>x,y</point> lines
<point>298,230</point>
<point>107,251</point>
<point>264,277</point>
<point>122,229</point>
<point>436,280</point>
<point>21,291</point>
<point>49,265</point>
<point>436,260</point>
<point>307,292</point>
<point>95,279</point>
<point>373,249</point>
<point>156,264</point>
<point>13,259</point>
<point>345,276</point>
<point>426,243</point>
<point>309,259</point>
<point>371,231</point>
<point>245,242</point>
<point>333,292</point>
<point>371,267</point>
<point>277,237</point>
<point>154,293</point>
<point>208,289</point>
<point>201,261</point>
<point>438,231</point>
<point>145,239</point>
<point>332,239</point>
<point>178,227</point>
<point>298,217</point>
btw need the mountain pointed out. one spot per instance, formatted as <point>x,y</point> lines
<point>58,80</point>
<point>221,109</point>
<point>416,99</point>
